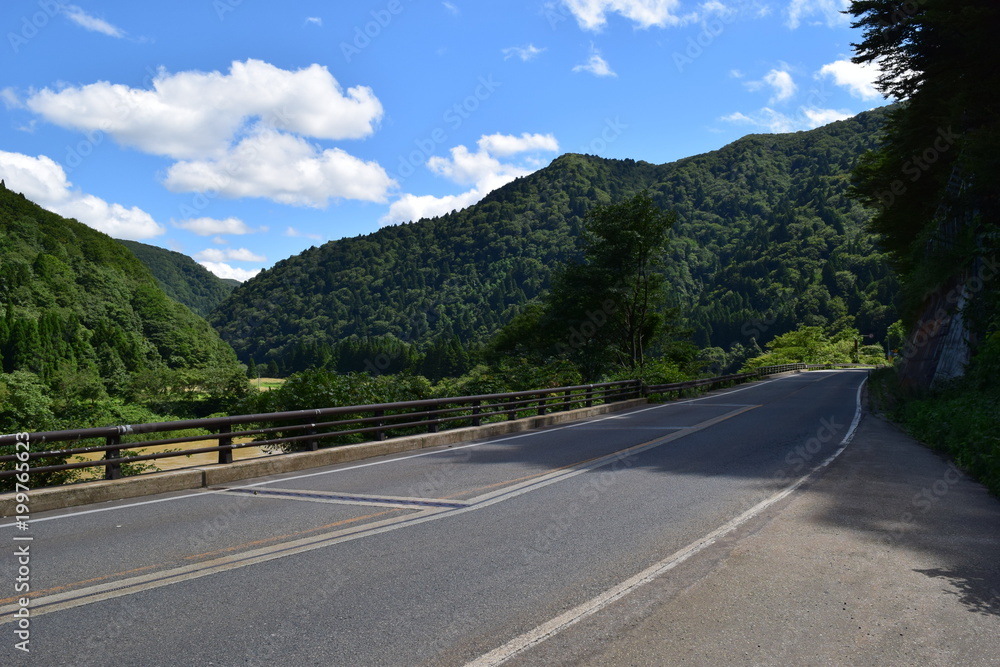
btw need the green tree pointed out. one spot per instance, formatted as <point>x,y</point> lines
<point>934,182</point>
<point>608,308</point>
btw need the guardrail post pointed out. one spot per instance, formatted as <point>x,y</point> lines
<point>113,470</point>
<point>512,409</point>
<point>541,405</point>
<point>568,400</point>
<point>432,426</point>
<point>477,419</point>
<point>313,445</point>
<point>225,444</point>
<point>380,434</point>
<point>590,396</point>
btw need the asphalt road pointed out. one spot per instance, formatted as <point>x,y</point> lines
<point>438,557</point>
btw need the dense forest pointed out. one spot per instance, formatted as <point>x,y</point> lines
<point>183,279</point>
<point>86,333</point>
<point>766,239</point>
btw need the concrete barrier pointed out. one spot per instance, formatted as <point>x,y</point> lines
<point>86,493</point>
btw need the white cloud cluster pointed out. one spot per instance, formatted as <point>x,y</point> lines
<point>592,14</point>
<point>482,169</point>
<point>525,53</point>
<point>239,134</point>
<point>857,78</point>
<point>199,114</point>
<point>80,17</point>
<point>213,226</point>
<point>830,12</point>
<point>223,270</point>
<point>229,255</point>
<point>782,84</point>
<point>596,64</point>
<point>284,168</point>
<point>769,120</point>
<point>44,182</point>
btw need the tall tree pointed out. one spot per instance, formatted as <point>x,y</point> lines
<point>935,181</point>
<point>608,308</point>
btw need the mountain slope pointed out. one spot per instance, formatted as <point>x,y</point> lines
<point>183,279</point>
<point>81,312</point>
<point>766,238</point>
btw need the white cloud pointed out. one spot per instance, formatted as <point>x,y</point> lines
<point>223,270</point>
<point>780,82</point>
<point>284,168</point>
<point>766,119</point>
<point>414,207</point>
<point>44,182</point>
<point>452,9</point>
<point>525,53</point>
<point>818,117</point>
<point>210,226</point>
<point>859,79</point>
<point>192,115</point>
<point>229,255</point>
<point>772,121</point>
<point>314,20</point>
<point>481,169</point>
<point>596,65</point>
<point>294,233</point>
<point>78,16</point>
<point>502,145</point>
<point>10,98</point>
<point>592,14</point>
<point>829,11</point>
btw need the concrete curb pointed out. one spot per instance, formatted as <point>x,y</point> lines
<point>86,493</point>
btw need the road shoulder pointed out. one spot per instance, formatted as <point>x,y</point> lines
<point>889,557</point>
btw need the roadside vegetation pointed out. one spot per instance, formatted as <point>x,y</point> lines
<point>960,418</point>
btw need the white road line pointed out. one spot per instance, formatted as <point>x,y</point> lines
<point>559,623</point>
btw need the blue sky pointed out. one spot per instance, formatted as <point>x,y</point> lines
<point>241,132</point>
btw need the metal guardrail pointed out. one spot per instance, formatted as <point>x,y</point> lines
<point>308,428</point>
<point>303,428</point>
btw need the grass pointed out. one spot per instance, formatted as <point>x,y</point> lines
<point>267,384</point>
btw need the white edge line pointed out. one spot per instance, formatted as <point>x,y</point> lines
<point>559,623</point>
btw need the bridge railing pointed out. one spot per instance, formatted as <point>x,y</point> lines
<point>310,429</point>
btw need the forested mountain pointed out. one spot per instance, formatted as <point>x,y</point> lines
<point>766,238</point>
<point>82,317</point>
<point>182,278</point>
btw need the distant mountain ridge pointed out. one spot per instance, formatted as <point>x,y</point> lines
<point>766,239</point>
<point>182,278</point>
